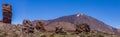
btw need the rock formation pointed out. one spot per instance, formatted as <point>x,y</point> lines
<point>82,28</point>
<point>7,13</point>
<point>27,26</point>
<point>39,26</point>
<point>27,23</point>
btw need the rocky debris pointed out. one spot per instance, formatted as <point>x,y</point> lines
<point>27,27</point>
<point>7,13</point>
<point>40,26</point>
<point>82,28</point>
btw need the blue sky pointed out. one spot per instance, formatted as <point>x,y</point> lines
<point>107,11</point>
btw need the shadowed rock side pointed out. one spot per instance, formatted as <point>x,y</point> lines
<point>7,13</point>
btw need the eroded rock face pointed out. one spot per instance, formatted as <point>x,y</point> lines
<point>27,26</point>
<point>40,26</point>
<point>82,28</point>
<point>7,13</point>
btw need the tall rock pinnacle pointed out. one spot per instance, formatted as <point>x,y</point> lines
<point>7,13</point>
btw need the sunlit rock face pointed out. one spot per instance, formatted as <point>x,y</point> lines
<point>7,13</point>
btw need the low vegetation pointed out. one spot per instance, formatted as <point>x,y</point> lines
<point>7,30</point>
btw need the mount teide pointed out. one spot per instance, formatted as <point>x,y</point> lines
<point>69,23</point>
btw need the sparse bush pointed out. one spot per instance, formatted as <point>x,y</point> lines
<point>43,35</point>
<point>3,34</point>
<point>100,35</point>
<point>52,35</point>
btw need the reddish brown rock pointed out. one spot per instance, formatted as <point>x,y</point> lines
<point>40,26</point>
<point>27,22</point>
<point>82,28</point>
<point>27,26</point>
<point>7,13</point>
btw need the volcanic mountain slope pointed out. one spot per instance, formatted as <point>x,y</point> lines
<point>69,22</point>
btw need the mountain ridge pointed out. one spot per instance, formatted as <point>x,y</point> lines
<point>72,20</point>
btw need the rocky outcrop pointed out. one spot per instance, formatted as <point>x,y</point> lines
<point>27,26</point>
<point>39,25</point>
<point>7,13</point>
<point>82,28</point>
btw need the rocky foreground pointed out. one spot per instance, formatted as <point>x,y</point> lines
<point>8,30</point>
